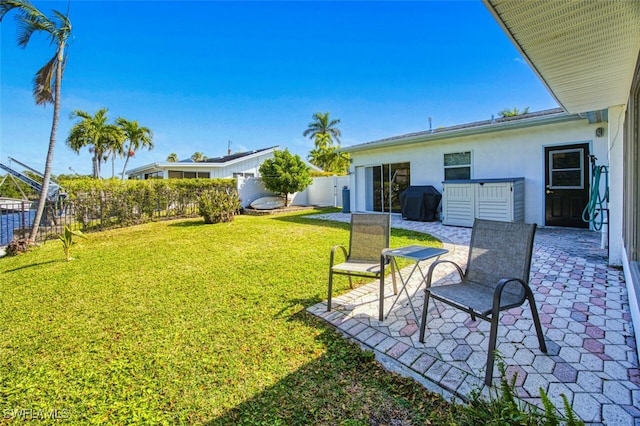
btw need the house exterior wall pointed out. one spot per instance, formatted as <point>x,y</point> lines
<point>249,165</point>
<point>628,194</point>
<point>324,191</point>
<point>501,154</point>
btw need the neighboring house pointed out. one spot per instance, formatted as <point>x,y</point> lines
<point>550,149</point>
<point>242,164</point>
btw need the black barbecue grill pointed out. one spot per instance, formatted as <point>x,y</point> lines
<point>420,203</point>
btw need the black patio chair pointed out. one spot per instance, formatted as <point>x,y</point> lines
<point>369,237</point>
<point>496,279</point>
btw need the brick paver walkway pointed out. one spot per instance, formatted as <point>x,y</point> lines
<point>583,308</point>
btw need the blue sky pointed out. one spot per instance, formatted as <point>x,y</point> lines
<point>203,73</point>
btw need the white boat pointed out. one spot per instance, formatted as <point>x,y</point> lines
<point>15,205</point>
<point>268,203</point>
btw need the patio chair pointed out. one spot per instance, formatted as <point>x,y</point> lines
<point>369,236</point>
<point>496,279</point>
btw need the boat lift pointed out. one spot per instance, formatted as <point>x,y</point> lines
<point>55,192</point>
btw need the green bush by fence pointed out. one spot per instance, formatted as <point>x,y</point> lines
<point>106,203</point>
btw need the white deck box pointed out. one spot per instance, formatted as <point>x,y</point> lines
<point>495,199</point>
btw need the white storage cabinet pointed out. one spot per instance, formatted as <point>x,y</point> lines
<point>495,199</point>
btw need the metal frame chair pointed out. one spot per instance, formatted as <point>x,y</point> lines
<point>370,233</point>
<point>496,279</point>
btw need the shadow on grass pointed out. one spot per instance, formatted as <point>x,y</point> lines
<point>302,218</point>
<point>344,385</point>
<point>426,238</point>
<point>306,302</point>
<point>33,265</point>
<point>188,223</point>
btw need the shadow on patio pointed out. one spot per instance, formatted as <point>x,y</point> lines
<point>584,311</point>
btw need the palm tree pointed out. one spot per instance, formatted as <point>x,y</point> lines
<point>513,112</point>
<point>172,158</point>
<point>94,132</point>
<point>324,127</point>
<point>323,130</point>
<point>138,137</point>
<point>58,29</point>
<point>198,157</point>
<point>115,148</point>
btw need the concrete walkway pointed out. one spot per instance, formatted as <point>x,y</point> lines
<point>583,308</point>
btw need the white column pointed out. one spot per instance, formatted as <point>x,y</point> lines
<point>616,181</point>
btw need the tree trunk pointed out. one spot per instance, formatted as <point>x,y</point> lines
<point>126,161</point>
<point>94,164</point>
<point>52,143</point>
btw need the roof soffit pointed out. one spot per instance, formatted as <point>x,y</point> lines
<point>584,51</point>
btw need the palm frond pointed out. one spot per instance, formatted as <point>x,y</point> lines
<point>42,81</point>
<point>31,20</point>
<point>8,5</point>
<point>64,24</point>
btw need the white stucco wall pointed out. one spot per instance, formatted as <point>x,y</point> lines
<point>324,191</point>
<point>502,154</point>
<point>615,157</point>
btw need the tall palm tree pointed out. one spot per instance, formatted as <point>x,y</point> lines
<point>138,137</point>
<point>48,80</point>
<point>323,130</point>
<point>95,132</point>
<point>172,158</point>
<point>115,148</point>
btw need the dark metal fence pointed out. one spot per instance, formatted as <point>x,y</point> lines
<point>17,217</point>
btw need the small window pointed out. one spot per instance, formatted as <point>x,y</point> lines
<point>567,169</point>
<point>203,175</point>
<point>243,175</point>
<point>457,165</point>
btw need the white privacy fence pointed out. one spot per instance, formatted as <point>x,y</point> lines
<point>324,191</point>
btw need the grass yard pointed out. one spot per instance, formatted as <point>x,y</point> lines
<point>184,323</point>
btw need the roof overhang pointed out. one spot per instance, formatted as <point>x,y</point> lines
<point>489,127</point>
<point>200,165</point>
<point>584,51</point>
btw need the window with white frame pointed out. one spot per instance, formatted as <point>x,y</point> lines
<point>457,165</point>
<point>243,175</point>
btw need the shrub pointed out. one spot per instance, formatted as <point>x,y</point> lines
<point>218,205</point>
<point>106,203</point>
<point>16,247</point>
<point>503,407</point>
<point>285,174</point>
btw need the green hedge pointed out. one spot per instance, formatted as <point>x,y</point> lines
<point>106,203</point>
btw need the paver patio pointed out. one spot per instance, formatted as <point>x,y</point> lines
<point>584,311</point>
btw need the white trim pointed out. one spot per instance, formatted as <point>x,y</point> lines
<point>632,282</point>
<point>471,130</point>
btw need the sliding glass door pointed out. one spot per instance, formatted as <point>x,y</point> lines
<point>384,183</point>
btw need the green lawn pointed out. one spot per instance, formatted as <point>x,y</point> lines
<point>181,322</point>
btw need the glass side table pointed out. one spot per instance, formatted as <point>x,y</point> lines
<point>416,254</point>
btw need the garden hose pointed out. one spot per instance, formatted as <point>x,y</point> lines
<point>597,203</point>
